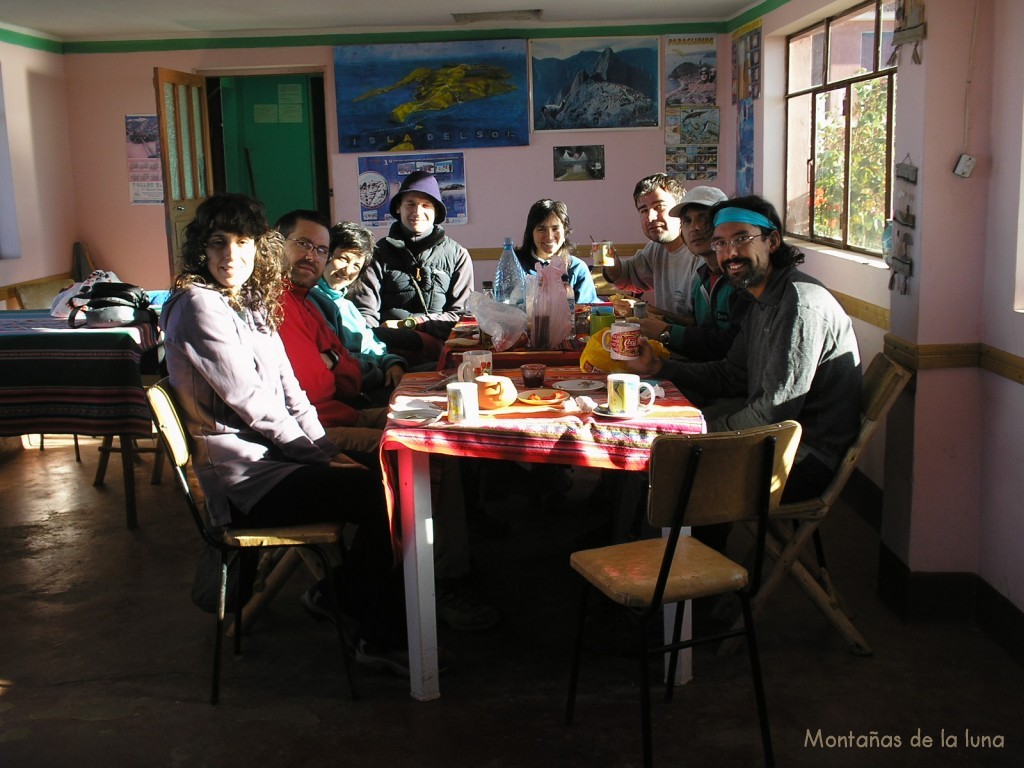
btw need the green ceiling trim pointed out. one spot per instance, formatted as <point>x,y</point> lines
<point>424,36</point>
<point>30,41</point>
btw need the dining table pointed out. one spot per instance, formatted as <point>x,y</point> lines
<point>61,380</point>
<point>565,432</point>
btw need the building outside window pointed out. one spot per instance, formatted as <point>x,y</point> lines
<point>840,91</point>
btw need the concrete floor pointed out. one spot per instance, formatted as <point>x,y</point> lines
<point>105,661</point>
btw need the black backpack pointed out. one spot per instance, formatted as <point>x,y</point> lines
<point>109,305</point>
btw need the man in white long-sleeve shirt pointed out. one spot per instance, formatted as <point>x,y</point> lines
<point>664,267</point>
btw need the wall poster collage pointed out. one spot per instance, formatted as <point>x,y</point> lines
<point>692,118</point>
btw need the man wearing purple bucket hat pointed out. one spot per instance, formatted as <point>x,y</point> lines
<point>419,278</point>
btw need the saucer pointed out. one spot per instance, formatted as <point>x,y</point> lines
<point>543,396</point>
<point>602,410</point>
<point>414,417</point>
<point>579,386</point>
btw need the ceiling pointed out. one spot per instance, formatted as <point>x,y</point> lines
<point>92,20</point>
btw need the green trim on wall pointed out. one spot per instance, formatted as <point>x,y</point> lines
<point>754,13</point>
<point>30,41</point>
<point>426,36</point>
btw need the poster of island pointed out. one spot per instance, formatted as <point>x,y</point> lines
<point>380,177</point>
<point>588,83</point>
<point>411,96</point>
<point>691,70</point>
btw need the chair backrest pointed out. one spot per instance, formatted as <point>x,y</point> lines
<point>177,446</point>
<point>731,480</point>
<point>884,380</point>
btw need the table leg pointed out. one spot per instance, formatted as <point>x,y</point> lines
<point>418,561</point>
<point>684,668</point>
<point>128,468</point>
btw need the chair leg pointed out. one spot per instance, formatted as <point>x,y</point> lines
<point>673,658</point>
<point>78,451</point>
<point>218,636</point>
<point>577,654</point>
<point>755,670</point>
<point>645,695</point>
<point>332,598</point>
<point>101,468</point>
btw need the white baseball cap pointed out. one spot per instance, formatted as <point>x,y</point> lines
<point>706,196</point>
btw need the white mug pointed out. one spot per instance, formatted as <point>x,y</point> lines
<point>625,392</point>
<point>622,340</point>
<point>475,362</point>
<point>463,405</point>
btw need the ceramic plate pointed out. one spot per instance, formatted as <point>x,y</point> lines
<point>579,386</point>
<point>414,417</point>
<point>542,396</point>
<point>602,410</point>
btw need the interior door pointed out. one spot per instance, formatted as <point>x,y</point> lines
<point>185,150</point>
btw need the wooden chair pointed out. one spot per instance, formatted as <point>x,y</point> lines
<point>312,537</point>
<point>794,526</point>
<point>694,480</point>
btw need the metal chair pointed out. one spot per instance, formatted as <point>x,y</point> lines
<point>694,480</point>
<point>313,537</point>
<point>794,526</point>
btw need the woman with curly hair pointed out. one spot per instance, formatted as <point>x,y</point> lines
<point>260,453</point>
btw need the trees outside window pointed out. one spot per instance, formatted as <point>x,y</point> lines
<point>840,91</point>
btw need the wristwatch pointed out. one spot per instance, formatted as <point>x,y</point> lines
<point>333,357</point>
<point>408,322</point>
<point>666,336</point>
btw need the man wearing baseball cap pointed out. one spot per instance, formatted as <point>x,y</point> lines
<point>419,278</point>
<point>718,308</point>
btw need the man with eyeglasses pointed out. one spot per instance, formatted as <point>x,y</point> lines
<point>718,308</point>
<point>664,266</point>
<point>331,376</point>
<point>795,357</point>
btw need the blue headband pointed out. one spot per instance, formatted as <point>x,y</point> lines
<point>743,216</point>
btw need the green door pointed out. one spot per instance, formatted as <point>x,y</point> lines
<point>274,144</point>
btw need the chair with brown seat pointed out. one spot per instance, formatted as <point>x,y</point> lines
<point>694,480</point>
<point>312,537</point>
<point>794,526</point>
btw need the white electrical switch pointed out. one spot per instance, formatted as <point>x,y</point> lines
<point>964,166</point>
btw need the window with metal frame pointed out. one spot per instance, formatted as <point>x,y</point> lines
<point>840,91</point>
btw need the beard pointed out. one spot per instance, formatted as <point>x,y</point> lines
<point>751,275</point>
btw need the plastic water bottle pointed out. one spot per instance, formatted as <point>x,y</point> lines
<point>509,278</point>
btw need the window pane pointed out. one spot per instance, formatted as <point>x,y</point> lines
<point>173,161</point>
<point>829,164</point>
<point>806,59</point>
<point>849,37</point>
<point>188,170</point>
<point>869,118</point>
<point>798,154</point>
<point>888,27</point>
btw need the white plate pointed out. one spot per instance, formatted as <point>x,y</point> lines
<point>544,395</point>
<point>415,417</point>
<point>602,410</point>
<point>579,386</point>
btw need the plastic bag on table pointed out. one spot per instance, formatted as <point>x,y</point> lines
<point>550,323</point>
<point>504,323</point>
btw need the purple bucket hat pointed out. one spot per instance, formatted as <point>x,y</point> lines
<point>425,184</point>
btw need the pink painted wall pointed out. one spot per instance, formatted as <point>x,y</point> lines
<point>38,128</point>
<point>502,183</point>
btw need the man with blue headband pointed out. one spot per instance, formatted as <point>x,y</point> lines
<point>795,356</point>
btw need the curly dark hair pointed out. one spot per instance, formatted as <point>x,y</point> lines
<point>237,215</point>
<point>349,236</point>
<point>785,255</point>
<point>658,181</point>
<point>539,212</point>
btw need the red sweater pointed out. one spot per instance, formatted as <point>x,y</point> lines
<point>305,335</point>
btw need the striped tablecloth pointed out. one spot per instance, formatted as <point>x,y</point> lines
<point>58,380</point>
<point>550,434</point>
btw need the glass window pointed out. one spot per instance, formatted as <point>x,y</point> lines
<point>839,133</point>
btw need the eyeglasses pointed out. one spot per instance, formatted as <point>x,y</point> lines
<point>308,247</point>
<point>722,246</point>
